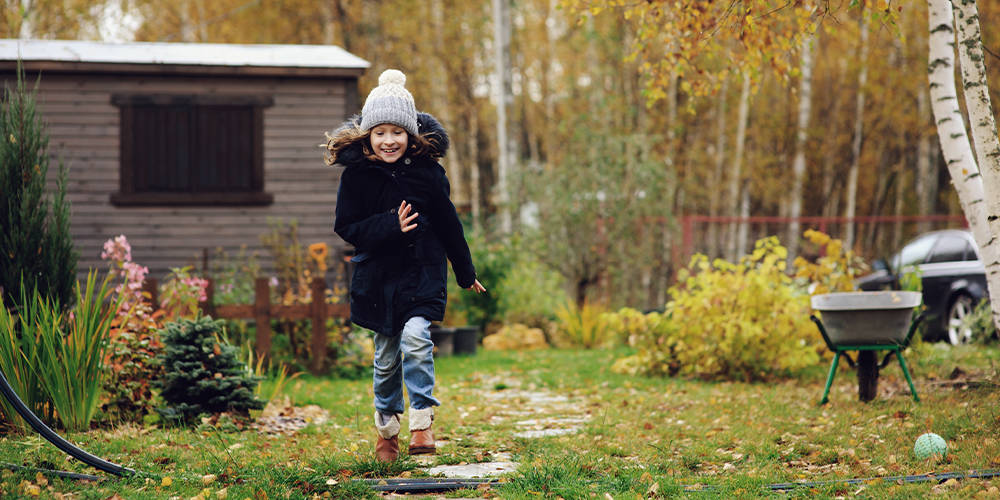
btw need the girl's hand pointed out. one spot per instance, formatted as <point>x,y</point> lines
<point>406,223</point>
<point>477,287</point>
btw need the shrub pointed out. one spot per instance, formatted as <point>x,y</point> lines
<point>984,331</point>
<point>530,293</point>
<point>35,241</point>
<point>583,326</point>
<point>652,335</point>
<point>18,355</point>
<point>132,367</point>
<point>515,337</point>
<point>745,321</point>
<point>234,276</point>
<point>72,368</point>
<point>834,270</point>
<point>493,261</point>
<point>202,374</point>
<point>180,294</point>
<point>53,358</point>
<point>135,342</point>
<point>296,266</point>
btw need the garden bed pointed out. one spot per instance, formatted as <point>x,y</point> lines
<point>584,430</point>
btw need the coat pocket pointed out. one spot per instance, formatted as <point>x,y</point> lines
<point>367,307</point>
<point>433,282</point>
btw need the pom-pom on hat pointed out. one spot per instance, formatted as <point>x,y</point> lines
<point>390,102</point>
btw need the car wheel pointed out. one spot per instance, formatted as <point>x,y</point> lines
<point>958,333</point>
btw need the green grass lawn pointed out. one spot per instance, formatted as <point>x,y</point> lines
<point>637,437</point>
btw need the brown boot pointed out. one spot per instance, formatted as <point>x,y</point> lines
<point>421,435</point>
<point>387,446</point>
<point>387,450</point>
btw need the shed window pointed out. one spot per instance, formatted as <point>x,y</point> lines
<point>191,150</point>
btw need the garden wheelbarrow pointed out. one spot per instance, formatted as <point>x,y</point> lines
<point>867,322</point>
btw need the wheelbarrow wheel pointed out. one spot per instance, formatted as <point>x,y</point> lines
<point>867,375</point>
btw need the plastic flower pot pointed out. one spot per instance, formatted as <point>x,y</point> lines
<point>444,340</point>
<point>465,340</point>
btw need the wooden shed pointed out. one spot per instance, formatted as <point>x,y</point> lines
<point>184,147</point>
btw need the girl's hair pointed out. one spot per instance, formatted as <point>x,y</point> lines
<point>416,145</point>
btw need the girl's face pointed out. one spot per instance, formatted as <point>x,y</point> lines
<point>389,142</point>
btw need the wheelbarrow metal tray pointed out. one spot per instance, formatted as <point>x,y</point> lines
<point>867,318</point>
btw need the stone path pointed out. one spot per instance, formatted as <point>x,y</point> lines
<point>532,412</point>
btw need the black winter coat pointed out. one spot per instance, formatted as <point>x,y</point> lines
<point>400,275</point>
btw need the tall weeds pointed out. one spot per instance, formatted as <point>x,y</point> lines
<point>53,358</point>
<point>74,347</point>
<point>20,350</point>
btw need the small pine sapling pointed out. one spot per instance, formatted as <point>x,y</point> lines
<point>202,374</point>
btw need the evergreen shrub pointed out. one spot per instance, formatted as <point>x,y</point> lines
<point>202,374</point>
<point>35,241</point>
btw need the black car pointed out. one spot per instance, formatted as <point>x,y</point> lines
<point>952,276</point>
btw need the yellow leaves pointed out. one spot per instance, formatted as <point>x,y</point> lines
<point>725,320</point>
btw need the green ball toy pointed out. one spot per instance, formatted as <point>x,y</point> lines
<point>930,445</point>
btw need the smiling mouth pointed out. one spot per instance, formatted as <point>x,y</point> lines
<point>390,151</point>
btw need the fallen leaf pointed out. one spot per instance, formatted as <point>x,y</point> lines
<point>208,479</point>
<point>653,490</point>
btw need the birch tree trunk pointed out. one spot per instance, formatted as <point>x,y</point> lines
<point>743,235</point>
<point>799,163</point>
<point>736,176</point>
<point>501,54</point>
<point>851,204</point>
<point>720,164</point>
<point>925,179</point>
<point>955,146</point>
<point>662,238</point>
<point>984,135</point>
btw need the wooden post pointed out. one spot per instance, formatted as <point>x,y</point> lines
<point>317,313</point>
<point>262,314</point>
<point>149,286</point>
<point>208,307</point>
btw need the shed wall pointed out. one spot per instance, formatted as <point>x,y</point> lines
<point>83,128</point>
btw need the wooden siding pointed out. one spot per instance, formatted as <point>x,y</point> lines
<point>83,125</point>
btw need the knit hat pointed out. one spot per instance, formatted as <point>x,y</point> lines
<point>390,102</point>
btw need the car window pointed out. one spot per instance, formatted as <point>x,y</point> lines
<point>949,248</point>
<point>970,251</point>
<point>914,253</point>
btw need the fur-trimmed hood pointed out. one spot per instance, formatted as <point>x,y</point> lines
<point>428,126</point>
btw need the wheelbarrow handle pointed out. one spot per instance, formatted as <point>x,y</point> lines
<point>822,331</point>
<point>913,328</point>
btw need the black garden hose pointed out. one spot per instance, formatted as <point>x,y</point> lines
<point>50,435</point>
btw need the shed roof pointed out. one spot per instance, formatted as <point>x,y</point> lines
<point>76,55</point>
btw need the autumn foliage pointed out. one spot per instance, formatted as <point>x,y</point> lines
<point>746,321</point>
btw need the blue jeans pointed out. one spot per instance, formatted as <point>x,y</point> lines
<point>407,357</point>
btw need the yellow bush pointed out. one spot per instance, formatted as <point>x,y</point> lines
<point>745,321</point>
<point>583,326</point>
<point>654,338</point>
<point>515,337</point>
<point>834,270</point>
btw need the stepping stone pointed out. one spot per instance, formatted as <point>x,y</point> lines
<point>553,422</point>
<point>533,434</point>
<point>470,471</point>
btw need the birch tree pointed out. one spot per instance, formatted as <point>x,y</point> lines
<point>799,163</point>
<point>739,206</point>
<point>984,134</point>
<point>850,206</point>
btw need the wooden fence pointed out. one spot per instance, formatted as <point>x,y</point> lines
<point>263,311</point>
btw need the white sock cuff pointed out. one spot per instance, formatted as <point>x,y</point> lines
<point>388,430</point>
<point>421,419</point>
